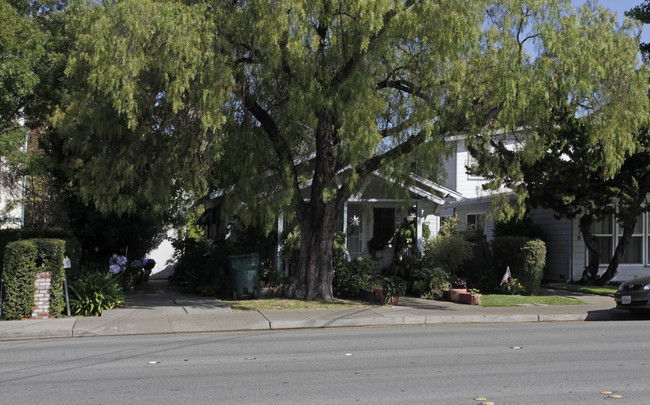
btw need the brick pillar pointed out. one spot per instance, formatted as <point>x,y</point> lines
<point>42,295</point>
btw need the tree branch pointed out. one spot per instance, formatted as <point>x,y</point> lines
<point>270,127</point>
<point>349,65</point>
<point>403,85</point>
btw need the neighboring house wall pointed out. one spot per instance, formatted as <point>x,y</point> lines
<point>558,244</point>
<point>13,218</point>
<point>637,260</point>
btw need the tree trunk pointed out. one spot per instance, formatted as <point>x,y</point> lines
<point>317,219</point>
<point>591,242</point>
<point>630,216</point>
<point>621,245</point>
<point>313,278</point>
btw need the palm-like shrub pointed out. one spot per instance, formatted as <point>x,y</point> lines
<point>93,293</point>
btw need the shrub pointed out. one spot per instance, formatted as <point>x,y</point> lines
<point>526,258</point>
<point>271,278</point>
<point>22,260</point>
<point>352,279</point>
<point>512,287</point>
<point>449,251</point>
<point>72,245</point>
<point>93,292</point>
<point>439,284</point>
<point>394,286</point>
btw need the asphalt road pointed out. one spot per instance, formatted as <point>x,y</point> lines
<point>548,363</point>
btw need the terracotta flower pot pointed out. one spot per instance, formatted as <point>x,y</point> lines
<point>465,297</point>
<point>454,294</point>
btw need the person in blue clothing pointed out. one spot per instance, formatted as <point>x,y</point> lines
<point>148,265</point>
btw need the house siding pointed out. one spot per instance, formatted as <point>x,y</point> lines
<point>558,244</point>
<point>625,271</point>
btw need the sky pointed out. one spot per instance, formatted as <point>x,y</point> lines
<point>620,7</point>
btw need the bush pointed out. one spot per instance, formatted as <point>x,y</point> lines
<point>526,258</point>
<point>449,251</point>
<point>512,287</point>
<point>439,284</point>
<point>353,279</point>
<point>93,292</point>
<point>394,286</point>
<point>22,260</point>
<point>72,246</point>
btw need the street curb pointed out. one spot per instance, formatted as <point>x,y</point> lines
<point>37,329</point>
<point>259,321</point>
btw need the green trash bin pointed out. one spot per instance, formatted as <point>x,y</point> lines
<point>245,275</point>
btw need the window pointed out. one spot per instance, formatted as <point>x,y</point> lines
<point>634,251</point>
<point>476,221</point>
<point>608,233</point>
<point>603,230</point>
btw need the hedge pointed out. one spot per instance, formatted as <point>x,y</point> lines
<point>22,260</point>
<point>72,245</point>
<point>526,258</point>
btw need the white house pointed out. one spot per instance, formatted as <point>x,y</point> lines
<point>371,217</point>
<point>567,254</point>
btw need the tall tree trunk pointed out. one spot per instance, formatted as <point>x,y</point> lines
<point>313,278</point>
<point>591,242</point>
<point>317,219</point>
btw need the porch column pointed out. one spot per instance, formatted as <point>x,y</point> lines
<point>345,224</point>
<point>418,227</point>
<point>278,252</point>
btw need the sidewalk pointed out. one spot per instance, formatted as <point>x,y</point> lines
<point>157,308</point>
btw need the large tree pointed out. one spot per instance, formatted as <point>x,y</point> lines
<point>165,95</point>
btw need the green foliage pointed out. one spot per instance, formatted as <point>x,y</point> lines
<point>641,13</point>
<point>72,246</point>
<point>439,284</point>
<point>21,50</point>
<point>94,292</point>
<point>103,235</point>
<point>449,251</point>
<point>23,259</point>
<point>394,286</point>
<point>519,227</point>
<point>18,278</point>
<point>243,90</point>
<point>512,287</point>
<point>271,278</point>
<point>526,258</point>
<point>406,235</point>
<point>353,279</point>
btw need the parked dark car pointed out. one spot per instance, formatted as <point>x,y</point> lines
<point>634,294</point>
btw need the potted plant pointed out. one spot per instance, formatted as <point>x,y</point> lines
<point>471,297</point>
<point>458,286</point>
<point>393,287</point>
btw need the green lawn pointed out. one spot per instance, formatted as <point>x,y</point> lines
<point>498,300</point>
<point>266,304</point>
